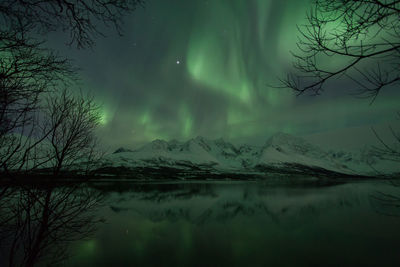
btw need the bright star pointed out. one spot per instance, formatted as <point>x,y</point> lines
<point>178,62</point>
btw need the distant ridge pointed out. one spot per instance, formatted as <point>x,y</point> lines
<point>121,150</point>
<point>280,152</point>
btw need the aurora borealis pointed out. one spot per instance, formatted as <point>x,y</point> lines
<point>204,67</point>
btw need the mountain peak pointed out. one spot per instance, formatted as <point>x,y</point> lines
<point>281,138</point>
<point>157,144</point>
<point>280,149</point>
<point>121,150</point>
<point>201,139</point>
<point>285,144</point>
<point>198,141</point>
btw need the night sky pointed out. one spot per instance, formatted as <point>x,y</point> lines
<point>188,68</point>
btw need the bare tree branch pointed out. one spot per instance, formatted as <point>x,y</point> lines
<point>71,122</point>
<point>79,18</point>
<point>362,35</point>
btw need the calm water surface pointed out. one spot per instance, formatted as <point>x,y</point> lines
<point>202,224</point>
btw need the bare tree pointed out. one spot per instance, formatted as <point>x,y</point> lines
<point>69,126</point>
<point>37,224</point>
<point>352,42</point>
<point>360,40</point>
<point>28,71</point>
<point>388,150</point>
<point>80,18</point>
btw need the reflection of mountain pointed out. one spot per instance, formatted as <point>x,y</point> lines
<point>36,225</point>
<point>282,153</point>
<point>207,203</point>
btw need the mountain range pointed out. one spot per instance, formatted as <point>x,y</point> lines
<point>281,153</point>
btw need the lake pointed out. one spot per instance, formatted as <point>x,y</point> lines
<point>202,223</point>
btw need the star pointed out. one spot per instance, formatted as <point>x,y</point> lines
<point>178,62</point>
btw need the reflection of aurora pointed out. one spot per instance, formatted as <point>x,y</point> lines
<point>228,53</point>
<point>37,225</point>
<point>232,224</point>
<point>187,224</point>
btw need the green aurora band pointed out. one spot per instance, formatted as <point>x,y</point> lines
<point>188,68</point>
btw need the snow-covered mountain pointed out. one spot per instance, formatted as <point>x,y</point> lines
<point>281,151</point>
<point>287,149</point>
<point>195,152</point>
<point>368,160</point>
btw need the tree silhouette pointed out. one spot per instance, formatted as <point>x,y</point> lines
<point>37,224</point>
<point>29,71</point>
<point>354,40</point>
<point>79,18</point>
<point>69,126</point>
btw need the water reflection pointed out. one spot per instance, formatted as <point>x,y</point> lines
<point>241,224</point>
<point>38,224</point>
<point>201,224</point>
<point>387,202</point>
